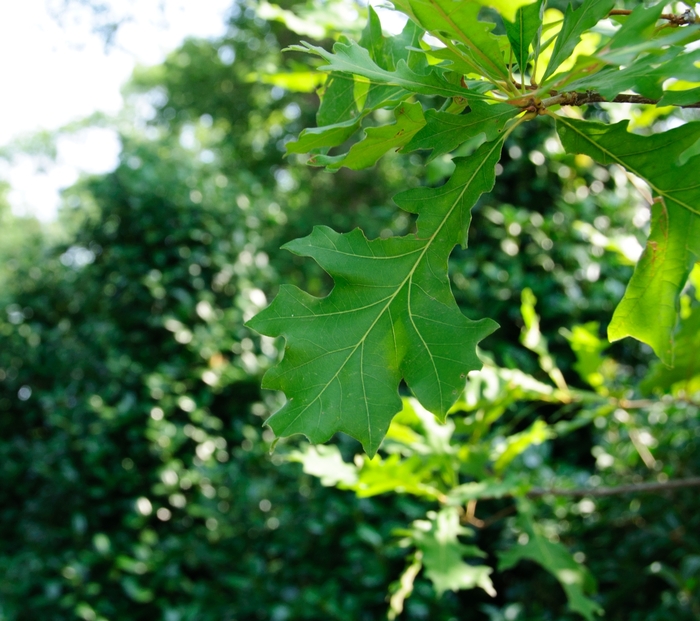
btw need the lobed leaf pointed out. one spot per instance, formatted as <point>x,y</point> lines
<point>379,140</point>
<point>390,316</point>
<point>574,578</point>
<point>443,132</point>
<point>649,308</point>
<point>351,58</point>
<point>443,554</point>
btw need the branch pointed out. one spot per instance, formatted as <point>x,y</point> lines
<point>689,17</point>
<point>614,491</point>
<point>581,99</point>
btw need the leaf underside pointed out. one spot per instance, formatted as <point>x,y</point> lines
<point>649,308</point>
<point>390,316</point>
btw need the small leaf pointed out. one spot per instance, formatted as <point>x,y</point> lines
<point>649,309</point>
<point>379,140</point>
<point>437,539</point>
<point>319,137</point>
<point>576,22</point>
<point>444,132</point>
<point>351,58</point>
<point>523,30</point>
<point>575,579</point>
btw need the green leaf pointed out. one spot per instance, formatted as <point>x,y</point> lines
<point>444,132</point>
<point>379,140</point>
<point>459,21</point>
<point>397,475</point>
<point>391,315</point>
<point>649,309</point>
<point>326,463</point>
<point>486,488</point>
<point>509,8</point>
<point>320,137</point>
<point>680,98</point>
<point>337,100</point>
<point>575,24</point>
<point>351,58</point>
<point>523,30</point>
<point>637,28</point>
<point>686,367</point>
<point>575,579</point>
<point>517,443</point>
<point>438,539</point>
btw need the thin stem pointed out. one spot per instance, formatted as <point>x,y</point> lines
<point>635,488</point>
<point>688,17</point>
<point>580,99</point>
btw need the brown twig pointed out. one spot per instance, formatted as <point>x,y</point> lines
<point>581,99</point>
<point>688,17</point>
<point>634,488</point>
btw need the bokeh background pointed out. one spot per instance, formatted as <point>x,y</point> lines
<point>137,479</point>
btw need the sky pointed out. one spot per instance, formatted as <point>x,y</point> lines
<point>56,70</point>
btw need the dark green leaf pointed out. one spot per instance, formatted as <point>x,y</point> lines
<point>575,579</point>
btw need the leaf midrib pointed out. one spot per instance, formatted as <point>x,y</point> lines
<point>406,280</point>
<point>621,162</point>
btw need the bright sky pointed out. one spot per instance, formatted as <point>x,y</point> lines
<point>54,73</point>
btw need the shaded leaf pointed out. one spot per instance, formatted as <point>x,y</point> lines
<point>686,362</point>
<point>574,578</point>
<point>319,137</point>
<point>649,309</point>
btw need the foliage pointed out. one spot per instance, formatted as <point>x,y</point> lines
<point>391,316</point>
<point>136,480</point>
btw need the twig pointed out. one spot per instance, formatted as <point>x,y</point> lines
<point>688,17</point>
<point>635,488</point>
<point>581,99</point>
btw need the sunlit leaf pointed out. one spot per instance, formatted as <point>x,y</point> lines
<point>351,58</point>
<point>379,140</point>
<point>459,21</point>
<point>522,30</point>
<point>576,22</point>
<point>443,554</point>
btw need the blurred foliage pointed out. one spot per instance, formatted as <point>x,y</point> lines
<point>138,481</point>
